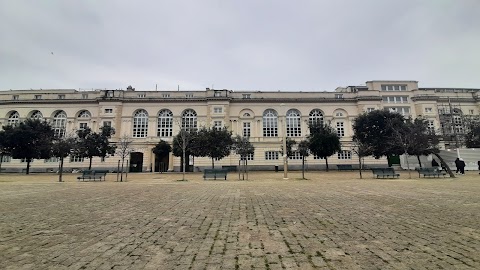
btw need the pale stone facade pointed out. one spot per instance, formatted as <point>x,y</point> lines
<point>261,115</point>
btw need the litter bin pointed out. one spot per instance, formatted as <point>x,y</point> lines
<point>276,168</point>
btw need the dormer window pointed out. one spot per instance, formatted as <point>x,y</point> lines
<point>217,94</point>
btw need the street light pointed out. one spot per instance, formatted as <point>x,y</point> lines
<point>285,155</point>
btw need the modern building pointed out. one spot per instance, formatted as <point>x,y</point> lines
<point>264,116</point>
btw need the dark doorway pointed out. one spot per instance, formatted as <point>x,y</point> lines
<point>136,162</point>
<point>161,163</point>
<point>393,160</point>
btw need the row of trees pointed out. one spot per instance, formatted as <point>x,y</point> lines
<point>378,133</point>
<point>36,139</point>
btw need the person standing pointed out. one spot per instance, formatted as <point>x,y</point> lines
<point>462,166</point>
<point>478,163</point>
<point>457,165</point>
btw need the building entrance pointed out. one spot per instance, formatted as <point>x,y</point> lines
<point>136,162</point>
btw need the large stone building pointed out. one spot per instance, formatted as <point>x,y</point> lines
<point>148,116</point>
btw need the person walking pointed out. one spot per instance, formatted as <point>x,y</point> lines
<point>462,166</point>
<point>457,165</point>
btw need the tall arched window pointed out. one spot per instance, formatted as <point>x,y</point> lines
<point>270,123</point>
<point>315,116</point>
<point>140,124</point>
<point>13,118</point>
<point>165,123</point>
<point>189,119</point>
<point>294,128</point>
<point>84,114</point>
<point>36,115</point>
<point>59,123</point>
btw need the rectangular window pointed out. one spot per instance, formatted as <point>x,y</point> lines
<point>84,96</point>
<point>217,110</point>
<point>391,87</point>
<point>83,126</point>
<point>340,129</point>
<point>317,157</point>
<point>23,160</point>
<point>370,109</point>
<point>108,110</point>
<point>61,96</point>
<point>246,96</point>
<point>38,96</point>
<point>76,159</point>
<point>217,94</point>
<point>107,123</point>
<point>246,129</point>
<point>248,157</point>
<point>344,155</point>
<point>470,111</point>
<point>141,95</point>
<point>296,155</point>
<point>6,158</point>
<point>15,97</point>
<point>271,155</point>
<point>428,110</point>
<point>431,126</point>
<point>189,95</point>
<point>400,110</point>
<point>52,160</point>
<point>218,125</point>
<point>338,96</point>
<point>395,99</point>
<point>165,95</point>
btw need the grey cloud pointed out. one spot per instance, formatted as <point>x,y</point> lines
<point>257,45</point>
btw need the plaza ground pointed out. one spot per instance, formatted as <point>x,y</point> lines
<point>331,221</point>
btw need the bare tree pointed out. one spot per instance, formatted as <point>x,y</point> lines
<point>62,147</point>
<point>362,150</point>
<point>123,150</point>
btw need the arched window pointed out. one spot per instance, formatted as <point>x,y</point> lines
<point>189,119</point>
<point>59,123</point>
<point>36,115</point>
<point>293,123</point>
<point>270,123</point>
<point>315,116</point>
<point>140,124</point>
<point>13,119</point>
<point>84,114</point>
<point>165,123</point>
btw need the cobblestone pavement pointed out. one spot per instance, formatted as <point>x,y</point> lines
<point>332,221</point>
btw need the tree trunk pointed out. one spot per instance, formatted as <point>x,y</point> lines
<point>419,162</point>
<point>1,161</point>
<point>90,163</point>
<point>360,167</point>
<point>60,173</point>
<point>28,166</point>
<point>303,167</point>
<point>326,162</point>
<point>444,164</point>
<point>183,163</point>
<point>213,163</point>
<point>121,170</point>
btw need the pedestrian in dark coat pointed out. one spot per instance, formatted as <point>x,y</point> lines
<point>457,165</point>
<point>462,166</point>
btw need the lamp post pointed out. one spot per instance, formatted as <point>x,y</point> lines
<point>285,154</point>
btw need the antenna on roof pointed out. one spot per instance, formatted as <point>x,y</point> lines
<point>178,87</point>
<point>155,87</point>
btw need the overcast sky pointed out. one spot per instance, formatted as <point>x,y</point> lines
<point>238,44</point>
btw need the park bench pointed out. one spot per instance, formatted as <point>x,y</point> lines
<point>345,167</point>
<point>384,172</point>
<point>435,172</point>
<point>93,175</point>
<point>215,174</point>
